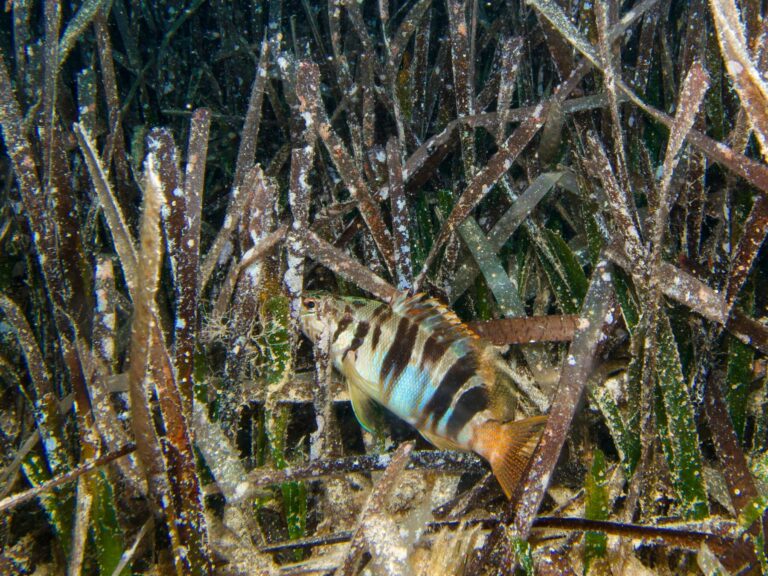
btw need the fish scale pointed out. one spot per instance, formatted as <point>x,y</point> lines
<point>418,360</point>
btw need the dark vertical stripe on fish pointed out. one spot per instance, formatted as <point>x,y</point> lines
<point>381,310</point>
<point>434,348</point>
<point>360,333</point>
<point>470,403</point>
<point>375,337</point>
<point>456,376</point>
<point>345,321</point>
<point>376,322</point>
<point>377,319</point>
<point>399,352</point>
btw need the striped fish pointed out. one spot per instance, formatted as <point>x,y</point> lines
<point>418,360</point>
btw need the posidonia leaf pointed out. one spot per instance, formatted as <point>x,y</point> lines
<point>596,317</point>
<point>627,300</point>
<point>105,528</point>
<point>505,227</point>
<point>739,378</point>
<point>401,235</point>
<point>625,435</point>
<point>294,493</point>
<point>753,511</point>
<point>745,73</point>
<point>594,227</point>
<point>523,555</point>
<point>751,514</point>
<point>677,424</point>
<point>276,320</point>
<point>596,508</point>
<point>59,505</point>
<point>563,271</point>
<point>495,275</point>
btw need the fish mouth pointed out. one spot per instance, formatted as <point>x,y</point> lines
<point>306,317</point>
<point>310,323</point>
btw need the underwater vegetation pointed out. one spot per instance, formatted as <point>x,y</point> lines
<point>583,182</point>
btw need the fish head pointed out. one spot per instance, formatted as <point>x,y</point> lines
<point>320,313</point>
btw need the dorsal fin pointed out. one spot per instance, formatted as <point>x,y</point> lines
<point>423,308</point>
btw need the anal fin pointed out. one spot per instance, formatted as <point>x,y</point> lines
<point>440,442</point>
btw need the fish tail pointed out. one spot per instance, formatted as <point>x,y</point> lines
<point>508,447</point>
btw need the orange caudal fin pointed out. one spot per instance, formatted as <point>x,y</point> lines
<point>508,446</point>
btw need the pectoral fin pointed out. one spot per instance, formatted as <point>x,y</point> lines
<point>364,408</point>
<point>354,377</point>
<point>359,394</point>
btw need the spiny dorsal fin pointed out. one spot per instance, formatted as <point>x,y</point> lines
<point>422,307</point>
<point>508,446</point>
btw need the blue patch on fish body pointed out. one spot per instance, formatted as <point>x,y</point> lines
<point>406,398</point>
